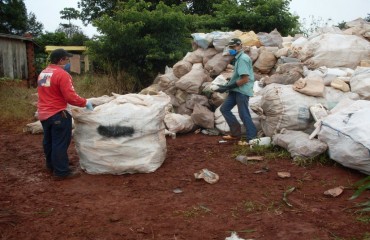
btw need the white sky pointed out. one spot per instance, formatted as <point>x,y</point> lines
<point>47,12</point>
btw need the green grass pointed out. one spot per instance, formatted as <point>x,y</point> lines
<point>193,211</point>
<point>16,102</point>
<point>269,152</point>
<point>322,159</point>
<point>94,85</point>
<point>272,152</point>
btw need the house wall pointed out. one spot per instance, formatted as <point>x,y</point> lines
<point>13,59</point>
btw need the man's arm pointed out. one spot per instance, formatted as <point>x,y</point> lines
<point>243,80</point>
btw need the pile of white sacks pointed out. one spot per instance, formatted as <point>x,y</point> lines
<point>293,74</point>
<point>331,68</point>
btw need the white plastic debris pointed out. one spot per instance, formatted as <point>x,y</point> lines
<point>234,236</point>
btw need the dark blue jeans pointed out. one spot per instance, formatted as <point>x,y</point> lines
<point>57,137</point>
<point>241,100</point>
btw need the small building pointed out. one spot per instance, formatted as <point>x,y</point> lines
<point>17,57</point>
<point>79,61</point>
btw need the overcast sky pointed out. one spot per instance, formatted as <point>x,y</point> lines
<point>47,12</point>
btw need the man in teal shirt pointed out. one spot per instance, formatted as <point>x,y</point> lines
<point>240,88</point>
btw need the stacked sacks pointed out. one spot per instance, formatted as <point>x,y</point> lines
<point>276,61</point>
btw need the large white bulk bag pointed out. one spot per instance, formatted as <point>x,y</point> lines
<point>347,134</point>
<point>335,50</point>
<point>125,135</point>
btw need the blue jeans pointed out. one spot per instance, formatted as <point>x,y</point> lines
<point>241,100</point>
<point>57,137</point>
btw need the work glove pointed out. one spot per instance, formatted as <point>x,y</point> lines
<point>89,106</point>
<point>224,88</point>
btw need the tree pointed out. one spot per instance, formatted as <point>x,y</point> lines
<point>33,26</point>
<point>13,17</point>
<point>69,14</point>
<point>49,38</point>
<point>367,19</point>
<point>69,28</point>
<point>137,42</point>
<point>93,9</point>
<point>73,33</point>
<point>256,15</point>
<point>341,25</point>
<point>202,7</point>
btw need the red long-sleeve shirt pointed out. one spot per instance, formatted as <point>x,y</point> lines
<point>55,90</point>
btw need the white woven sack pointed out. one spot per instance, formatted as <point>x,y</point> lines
<point>335,50</point>
<point>347,134</point>
<point>285,108</point>
<point>360,82</point>
<point>298,144</point>
<point>178,123</point>
<point>125,135</point>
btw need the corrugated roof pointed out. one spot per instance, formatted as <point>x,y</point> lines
<point>10,36</point>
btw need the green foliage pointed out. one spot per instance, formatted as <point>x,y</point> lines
<point>49,38</point>
<point>269,152</point>
<point>256,15</point>
<point>137,42</point>
<point>323,159</point>
<point>69,13</point>
<point>367,19</point>
<point>202,7</point>
<point>93,9</point>
<point>33,26</point>
<point>13,17</point>
<point>74,34</point>
<point>93,85</point>
<point>362,186</point>
<point>341,25</point>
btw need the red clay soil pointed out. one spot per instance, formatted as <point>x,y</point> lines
<point>145,206</point>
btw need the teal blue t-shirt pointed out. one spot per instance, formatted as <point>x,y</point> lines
<point>243,66</point>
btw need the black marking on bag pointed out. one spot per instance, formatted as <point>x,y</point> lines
<point>115,131</point>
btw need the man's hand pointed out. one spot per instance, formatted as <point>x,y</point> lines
<point>221,88</point>
<point>224,88</point>
<point>89,106</point>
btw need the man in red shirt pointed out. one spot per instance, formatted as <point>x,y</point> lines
<point>55,91</point>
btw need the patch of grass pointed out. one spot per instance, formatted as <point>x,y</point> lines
<point>269,152</point>
<point>89,85</point>
<point>322,159</point>
<point>248,206</point>
<point>45,212</point>
<point>364,219</point>
<point>16,102</point>
<point>273,152</point>
<point>193,211</point>
<point>95,85</point>
<point>365,236</point>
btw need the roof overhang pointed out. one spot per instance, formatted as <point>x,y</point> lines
<point>67,48</point>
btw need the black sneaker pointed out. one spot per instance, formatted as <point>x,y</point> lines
<point>71,175</point>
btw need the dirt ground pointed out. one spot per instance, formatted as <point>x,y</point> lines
<point>145,206</point>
